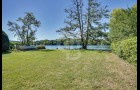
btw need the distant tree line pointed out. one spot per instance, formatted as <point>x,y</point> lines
<point>71,41</point>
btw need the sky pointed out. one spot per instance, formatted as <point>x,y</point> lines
<point>49,12</point>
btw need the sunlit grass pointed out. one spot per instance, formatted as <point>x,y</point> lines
<point>55,70</point>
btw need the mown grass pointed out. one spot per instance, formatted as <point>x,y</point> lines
<point>56,70</point>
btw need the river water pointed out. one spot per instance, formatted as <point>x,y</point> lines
<point>94,47</point>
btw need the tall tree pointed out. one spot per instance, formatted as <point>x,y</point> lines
<point>26,28</point>
<point>84,22</point>
<point>123,23</point>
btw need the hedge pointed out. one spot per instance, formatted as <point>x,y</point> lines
<point>126,49</point>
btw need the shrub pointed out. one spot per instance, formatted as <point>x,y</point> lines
<point>40,47</point>
<point>5,41</point>
<point>12,46</point>
<point>126,49</point>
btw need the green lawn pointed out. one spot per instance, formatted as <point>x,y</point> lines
<point>55,70</point>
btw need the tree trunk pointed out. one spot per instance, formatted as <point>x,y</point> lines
<point>82,43</point>
<point>85,47</point>
<point>22,42</point>
<point>88,26</point>
<point>80,21</point>
<point>27,38</point>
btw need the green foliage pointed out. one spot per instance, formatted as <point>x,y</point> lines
<point>25,29</point>
<point>5,41</point>
<point>72,41</point>
<point>40,47</point>
<point>105,42</point>
<point>126,49</point>
<point>12,46</point>
<point>85,23</point>
<point>13,43</point>
<point>123,23</point>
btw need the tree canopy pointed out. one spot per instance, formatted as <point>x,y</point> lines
<point>85,23</point>
<point>26,28</point>
<point>123,23</point>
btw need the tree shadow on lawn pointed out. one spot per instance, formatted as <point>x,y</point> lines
<point>99,50</point>
<point>6,52</point>
<point>43,50</point>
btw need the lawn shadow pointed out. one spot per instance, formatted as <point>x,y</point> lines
<point>46,50</point>
<point>99,50</point>
<point>43,50</point>
<point>6,52</point>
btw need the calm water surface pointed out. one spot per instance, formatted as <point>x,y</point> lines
<point>95,47</point>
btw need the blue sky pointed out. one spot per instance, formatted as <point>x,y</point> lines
<point>49,12</point>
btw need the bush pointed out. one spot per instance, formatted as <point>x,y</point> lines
<point>126,49</point>
<point>40,47</point>
<point>12,46</point>
<point>5,41</point>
